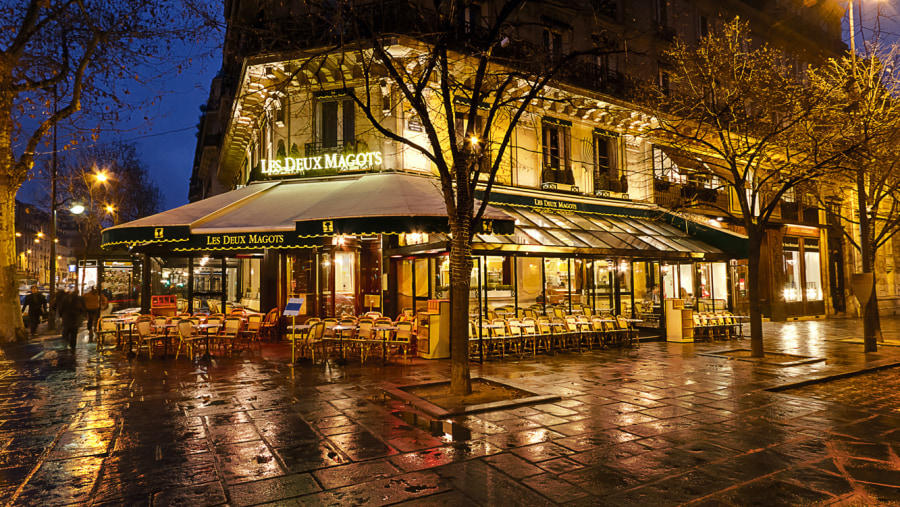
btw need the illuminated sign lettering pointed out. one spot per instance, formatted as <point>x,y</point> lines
<point>339,161</point>
<point>244,239</point>
<point>546,203</point>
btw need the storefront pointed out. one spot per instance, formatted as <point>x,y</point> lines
<point>320,239</point>
<point>579,254</point>
<point>379,241</point>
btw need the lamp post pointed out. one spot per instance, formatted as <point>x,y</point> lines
<point>51,318</point>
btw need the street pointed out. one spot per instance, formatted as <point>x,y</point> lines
<point>657,425</point>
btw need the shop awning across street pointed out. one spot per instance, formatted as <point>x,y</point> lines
<point>293,213</point>
<point>298,213</point>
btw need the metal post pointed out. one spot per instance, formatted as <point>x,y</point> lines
<point>51,317</point>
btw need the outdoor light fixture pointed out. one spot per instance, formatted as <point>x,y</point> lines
<point>77,209</point>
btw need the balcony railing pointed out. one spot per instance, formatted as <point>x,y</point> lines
<point>681,196</point>
<point>317,149</point>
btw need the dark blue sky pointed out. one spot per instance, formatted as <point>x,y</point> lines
<point>167,144</point>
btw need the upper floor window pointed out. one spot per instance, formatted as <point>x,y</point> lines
<point>702,27</point>
<point>556,148</point>
<point>337,122</point>
<point>606,168</point>
<point>662,79</point>
<point>553,41</point>
<point>605,7</point>
<point>661,12</point>
<point>469,18</point>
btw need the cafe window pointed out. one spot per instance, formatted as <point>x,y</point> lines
<point>802,269</point>
<point>337,123</point>
<point>606,173</point>
<point>812,270</point>
<point>556,149</point>
<point>792,281</point>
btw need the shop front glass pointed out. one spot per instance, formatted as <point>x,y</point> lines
<point>301,273</point>
<point>626,296</point>
<point>529,282</point>
<point>712,285</point>
<point>812,269</point>
<point>647,303</point>
<point>792,292</point>
<point>603,286</point>
<point>556,281</point>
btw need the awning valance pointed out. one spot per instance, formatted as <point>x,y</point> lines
<point>288,214</point>
<point>610,226</point>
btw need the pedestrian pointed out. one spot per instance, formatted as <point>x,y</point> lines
<point>37,307</point>
<point>94,302</point>
<point>71,311</point>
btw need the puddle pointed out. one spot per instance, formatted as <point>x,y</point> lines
<point>450,430</point>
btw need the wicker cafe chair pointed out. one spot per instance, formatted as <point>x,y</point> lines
<point>106,326</point>
<point>474,341</point>
<point>403,339</point>
<point>250,332</point>
<point>630,334</point>
<point>146,336</point>
<point>364,340</point>
<point>230,333</point>
<point>187,337</point>
<point>270,325</point>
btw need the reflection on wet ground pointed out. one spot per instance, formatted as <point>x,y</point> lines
<point>659,425</point>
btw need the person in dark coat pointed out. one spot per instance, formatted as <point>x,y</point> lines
<point>70,310</point>
<point>37,307</point>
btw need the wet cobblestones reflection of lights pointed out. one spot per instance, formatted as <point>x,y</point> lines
<point>657,425</point>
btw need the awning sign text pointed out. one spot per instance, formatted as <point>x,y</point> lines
<point>244,239</point>
<point>336,161</point>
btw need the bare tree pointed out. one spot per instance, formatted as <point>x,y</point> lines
<point>865,117</point>
<point>743,107</point>
<point>68,61</point>
<point>467,79</point>
<point>111,185</point>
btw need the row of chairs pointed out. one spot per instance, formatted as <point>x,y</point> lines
<point>351,334</point>
<point>710,326</point>
<point>513,335</point>
<point>224,332</point>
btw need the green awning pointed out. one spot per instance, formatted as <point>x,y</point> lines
<point>293,213</point>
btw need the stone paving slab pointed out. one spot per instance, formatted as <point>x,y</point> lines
<point>659,425</point>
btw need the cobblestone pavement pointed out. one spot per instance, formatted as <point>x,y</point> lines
<point>658,425</point>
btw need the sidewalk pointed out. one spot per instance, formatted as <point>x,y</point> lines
<point>658,425</point>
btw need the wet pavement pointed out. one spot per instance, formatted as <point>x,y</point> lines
<point>657,425</point>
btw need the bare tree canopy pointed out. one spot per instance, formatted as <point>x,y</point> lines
<point>745,108</point>
<point>71,61</point>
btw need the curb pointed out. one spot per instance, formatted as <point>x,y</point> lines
<point>829,378</point>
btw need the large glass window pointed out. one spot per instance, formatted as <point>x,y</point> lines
<point>301,272</point>
<point>556,277</point>
<point>812,269</point>
<point>529,281</point>
<point>791,247</point>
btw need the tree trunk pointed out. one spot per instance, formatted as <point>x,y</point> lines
<point>754,241</point>
<point>11,325</point>
<point>460,275</point>
<point>868,261</point>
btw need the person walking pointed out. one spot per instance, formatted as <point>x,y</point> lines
<point>37,307</point>
<point>94,302</point>
<point>71,310</point>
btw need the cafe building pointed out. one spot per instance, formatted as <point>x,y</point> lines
<point>300,198</point>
